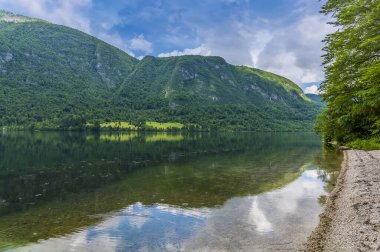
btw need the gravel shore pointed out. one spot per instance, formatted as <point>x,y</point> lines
<point>351,220</point>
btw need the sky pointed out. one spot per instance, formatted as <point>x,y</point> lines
<point>280,36</point>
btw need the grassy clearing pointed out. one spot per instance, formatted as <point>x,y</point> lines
<point>167,126</point>
<point>164,126</point>
<point>118,125</point>
<point>366,144</point>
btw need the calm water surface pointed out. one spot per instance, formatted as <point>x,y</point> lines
<point>161,192</point>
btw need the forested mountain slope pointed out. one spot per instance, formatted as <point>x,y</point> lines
<point>49,73</point>
<point>315,98</point>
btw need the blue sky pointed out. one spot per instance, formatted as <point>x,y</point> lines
<point>281,36</point>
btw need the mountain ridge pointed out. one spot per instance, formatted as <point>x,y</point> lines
<point>49,73</point>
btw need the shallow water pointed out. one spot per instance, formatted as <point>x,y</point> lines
<point>161,192</point>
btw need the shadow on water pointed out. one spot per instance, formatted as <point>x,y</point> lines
<point>54,184</point>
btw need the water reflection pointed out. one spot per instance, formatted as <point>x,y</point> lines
<point>269,221</point>
<point>249,223</point>
<point>118,193</point>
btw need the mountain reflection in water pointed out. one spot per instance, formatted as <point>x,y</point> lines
<point>235,192</point>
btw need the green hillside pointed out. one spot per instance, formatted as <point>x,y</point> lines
<point>315,98</point>
<point>53,76</point>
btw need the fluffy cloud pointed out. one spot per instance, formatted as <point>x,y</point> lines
<point>290,46</point>
<point>78,14</point>
<point>295,51</point>
<point>312,90</point>
<point>116,40</point>
<point>66,12</point>
<point>139,43</point>
<point>282,37</point>
<point>201,50</point>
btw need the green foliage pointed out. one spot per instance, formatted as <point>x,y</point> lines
<point>372,143</point>
<point>72,122</point>
<point>352,86</point>
<point>142,126</point>
<point>49,74</point>
<point>213,94</point>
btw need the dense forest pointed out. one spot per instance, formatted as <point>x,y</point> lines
<point>352,86</point>
<point>55,77</point>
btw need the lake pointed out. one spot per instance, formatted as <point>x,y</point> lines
<point>161,191</point>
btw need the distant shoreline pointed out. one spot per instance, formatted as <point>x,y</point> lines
<point>351,220</point>
<point>147,130</point>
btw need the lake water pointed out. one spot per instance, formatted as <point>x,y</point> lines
<point>161,192</point>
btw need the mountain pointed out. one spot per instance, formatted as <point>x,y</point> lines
<point>51,73</point>
<point>47,70</point>
<point>315,98</point>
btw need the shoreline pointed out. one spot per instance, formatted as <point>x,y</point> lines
<point>351,218</point>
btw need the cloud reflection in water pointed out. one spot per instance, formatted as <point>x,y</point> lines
<point>279,219</point>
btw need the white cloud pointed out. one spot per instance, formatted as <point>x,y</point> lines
<point>139,43</point>
<point>75,14</point>
<point>312,90</point>
<point>260,40</point>
<point>116,40</point>
<point>295,52</point>
<point>64,12</point>
<point>289,46</point>
<point>239,42</point>
<point>201,50</point>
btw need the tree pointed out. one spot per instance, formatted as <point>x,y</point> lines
<point>352,66</point>
<point>73,122</point>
